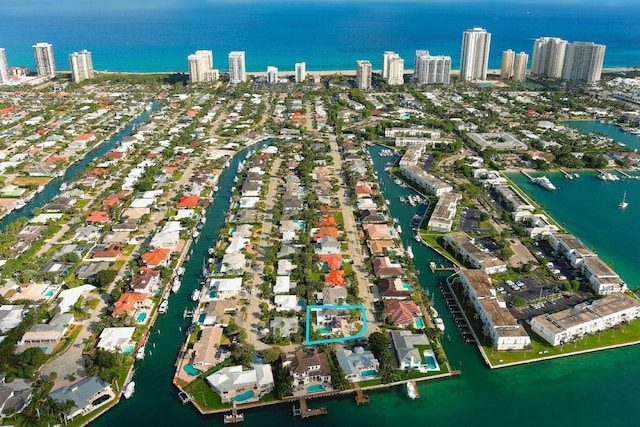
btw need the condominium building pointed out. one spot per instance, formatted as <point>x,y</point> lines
<point>583,62</point>
<point>272,74</point>
<point>548,57</point>
<point>363,74</point>
<point>237,67</point>
<point>508,59</point>
<point>431,69</point>
<point>81,66</point>
<point>4,69</point>
<point>474,59</point>
<point>201,66</point>
<point>301,72</point>
<point>392,68</point>
<point>386,58</point>
<point>45,62</point>
<point>520,67</point>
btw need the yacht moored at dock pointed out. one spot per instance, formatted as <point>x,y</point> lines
<point>128,390</point>
<point>163,307</point>
<point>195,295</point>
<point>411,390</point>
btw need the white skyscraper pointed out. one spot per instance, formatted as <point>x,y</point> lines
<point>4,69</point>
<point>474,59</point>
<point>237,68</point>
<point>272,74</point>
<point>508,58</point>
<point>520,67</point>
<point>583,62</point>
<point>201,67</point>
<point>548,57</point>
<point>395,72</point>
<point>363,74</point>
<point>387,56</point>
<point>45,63</point>
<point>81,66</point>
<point>431,69</point>
<point>301,72</point>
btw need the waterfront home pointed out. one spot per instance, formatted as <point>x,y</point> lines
<point>358,364</point>
<point>286,303</point>
<point>248,202</point>
<point>156,258</point>
<point>516,203</point>
<point>504,330</point>
<point>188,202</point>
<point>383,267</point>
<point>205,348</point>
<point>15,396</point>
<point>243,230</point>
<point>236,244</point>
<point>116,339</point>
<point>540,227</point>
<point>218,312</point>
<point>586,318</point>
<point>168,237</point>
<point>87,395</point>
<point>394,288</point>
<point>379,231</point>
<point>226,288</point>
<point>410,351</point>
<point>381,246</point>
<point>603,279</point>
<point>371,216</point>
<point>233,263</point>
<point>128,302</point>
<point>245,216</point>
<point>46,336</point>
<point>307,366</point>
<point>284,326</point>
<point>234,384</point>
<point>30,232</point>
<point>470,253</point>
<point>366,204</point>
<point>572,248</point>
<point>147,281</point>
<point>327,245</point>
<point>403,313</point>
<point>10,316</point>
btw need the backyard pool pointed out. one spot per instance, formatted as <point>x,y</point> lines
<point>323,330</point>
<point>369,373</point>
<point>189,369</point>
<point>141,317</point>
<point>419,323</point>
<point>315,388</point>
<point>430,360</point>
<point>128,349</point>
<point>244,396</point>
<point>407,286</point>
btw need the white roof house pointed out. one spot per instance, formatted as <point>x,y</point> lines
<point>70,296</point>
<point>232,381</point>
<point>112,339</point>
<point>226,288</point>
<point>286,302</point>
<point>10,316</point>
<point>283,285</point>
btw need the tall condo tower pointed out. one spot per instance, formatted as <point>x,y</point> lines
<point>431,69</point>
<point>201,66</point>
<point>4,69</point>
<point>301,71</point>
<point>363,74</point>
<point>474,59</point>
<point>272,74</point>
<point>392,68</point>
<point>386,58</point>
<point>583,62</point>
<point>81,66</point>
<point>520,67</point>
<point>237,68</point>
<point>45,63</point>
<point>508,58</point>
<point>548,57</point>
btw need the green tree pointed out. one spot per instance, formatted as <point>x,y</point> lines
<point>31,359</point>
<point>103,278</point>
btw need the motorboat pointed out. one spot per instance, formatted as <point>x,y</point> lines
<point>164,306</point>
<point>140,353</point>
<point>411,390</point>
<point>175,286</point>
<point>439,323</point>
<point>195,295</point>
<point>184,397</point>
<point>128,390</point>
<point>623,204</point>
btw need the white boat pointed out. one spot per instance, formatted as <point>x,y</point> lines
<point>203,219</point>
<point>163,307</point>
<point>195,234</point>
<point>416,237</point>
<point>608,176</point>
<point>180,271</point>
<point>128,390</point>
<point>439,323</point>
<point>411,390</point>
<point>433,311</point>
<point>140,353</point>
<point>184,397</point>
<point>175,286</point>
<point>63,186</point>
<point>195,295</point>
<point>410,252</point>
<point>543,182</point>
<point>398,228</point>
<point>623,204</point>
<point>432,265</point>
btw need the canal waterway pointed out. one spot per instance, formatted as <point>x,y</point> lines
<point>52,188</point>
<point>613,131</point>
<point>594,389</point>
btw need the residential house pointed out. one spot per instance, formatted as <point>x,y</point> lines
<point>97,218</point>
<point>403,313</point>
<point>358,364</point>
<point>332,295</point>
<point>116,339</point>
<point>232,381</point>
<point>10,316</point>
<point>109,253</point>
<point>383,267</point>
<point>226,288</point>
<point>284,326</point>
<point>466,248</point>
<point>46,336</point>
<point>205,348</point>
<point>327,245</point>
<point>128,302</point>
<point>413,351</point>
<point>87,395</point>
<point>286,303</point>
<point>147,281</point>
<point>307,367</point>
<point>394,288</point>
<point>219,312</point>
<point>15,396</point>
<point>233,263</point>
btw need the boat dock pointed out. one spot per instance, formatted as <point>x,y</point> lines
<point>433,267</point>
<point>566,174</point>
<point>360,396</point>
<point>458,316</point>
<point>415,387</point>
<point>305,412</point>
<point>626,175</point>
<point>234,417</point>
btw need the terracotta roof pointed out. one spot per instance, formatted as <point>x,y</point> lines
<point>326,231</point>
<point>98,216</point>
<point>56,159</point>
<point>85,137</point>
<point>303,361</point>
<point>328,221</point>
<point>402,312</point>
<point>335,278</point>
<point>155,257</point>
<point>127,302</point>
<point>333,261</point>
<point>111,252</point>
<point>188,201</point>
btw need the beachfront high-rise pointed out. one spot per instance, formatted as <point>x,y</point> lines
<point>520,67</point>
<point>583,62</point>
<point>81,66</point>
<point>548,57</point>
<point>201,66</point>
<point>45,62</point>
<point>272,74</point>
<point>301,72</point>
<point>508,58</point>
<point>363,74</point>
<point>237,67</point>
<point>392,68</point>
<point>429,69</point>
<point>4,69</point>
<point>474,58</point>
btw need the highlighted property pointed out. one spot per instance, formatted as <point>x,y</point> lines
<point>331,320</point>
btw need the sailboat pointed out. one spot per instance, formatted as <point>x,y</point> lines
<point>623,204</point>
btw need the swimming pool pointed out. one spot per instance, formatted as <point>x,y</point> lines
<point>407,286</point>
<point>128,349</point>
<point>189,369</point>
<point>419,323</point>
<point>323,330</point>
<point>244,396</point>
<point>213,294</point>
<point>141,317</point>
<point>368,373</point>
<point>431,362</point>
<point>315,388</point>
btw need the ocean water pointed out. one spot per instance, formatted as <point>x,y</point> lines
<point>327,35</point>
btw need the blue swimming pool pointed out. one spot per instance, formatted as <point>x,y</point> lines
<point>128,349</point>
<point>431,362</point>
<point>202,317</point>
<point>419,323</point>
<point>141,317</point>
<point>323,330</point>
<point>368,373</point>
<point>212,294</point>
<point>244,396</point>
<point>189,369</point>
<point>315,388</point>
<point>407,286</point>
<point>50,293</point>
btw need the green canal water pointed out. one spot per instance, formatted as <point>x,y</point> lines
<point>590,390</point>
<point>588,126</point>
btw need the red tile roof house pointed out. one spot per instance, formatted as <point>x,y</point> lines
<point>146,281</point>
<point>110,254</point>
<point>326,231</point>
<point>402,313</point>
<point>156,257</point>
<point>99,217</point>
<point>362,191</point>
<point>86,137</point>
<point>333,262</point>
<point>378,231</point>
<point>128,302</point>
<point>383,267</point>
<point>188,202</point>
<point>335,278</point>
<point>328,221</point>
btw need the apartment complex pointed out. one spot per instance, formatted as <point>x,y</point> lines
<point>237,67</point>
<point>583,62</point>
<point>81,64</point>
<point>272,74</point>
<point>45,62</point>
<point>520,67</point>
<point>508,59</point>
<point>201,67</point>
<point>300,72</point>
<point>392,68</point>
<point>429,69</point>
<point>4,69</point>
<point>474,60</point>
<point>363,74</point>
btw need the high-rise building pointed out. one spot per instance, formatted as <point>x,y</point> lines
<point>301,72</point>
<point>396,71</point>
<point>237,68</point>
<point>583,62</point>
<point>548,57</point>
<point>363,74</point>
<point>4,69</point>
<point>508,58</point>
<point>272,74</point>
<point>431,69</point>
<point>81,66</point>
<point>386,58</point>
<point>201,66</point>
<point>520,67</point>
<point>45,63</point>
<point>474,59</point>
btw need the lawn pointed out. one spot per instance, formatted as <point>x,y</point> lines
<point>24,181</point>
<point>339,219</point>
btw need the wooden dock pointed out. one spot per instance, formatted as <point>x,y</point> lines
<point>234,417</point>
<point>433,267</point>
<point>305,412</point>
<point>360,396</point>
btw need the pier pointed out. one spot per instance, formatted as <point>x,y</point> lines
<point>305,412</point>
<point>360,396</point>
<point>234,417</point>
<point>566,174</point>
<point>626,175</point>
<point>433,267</point>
